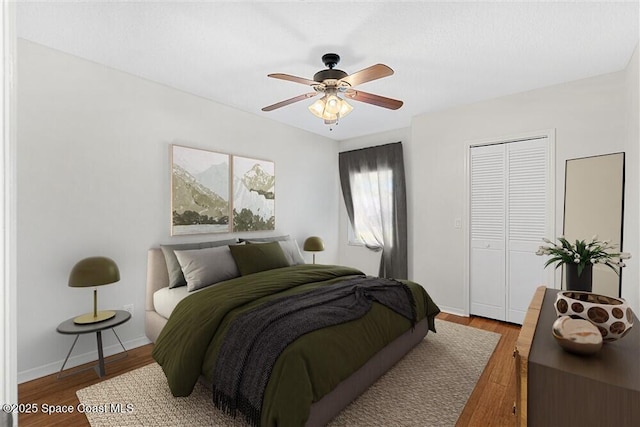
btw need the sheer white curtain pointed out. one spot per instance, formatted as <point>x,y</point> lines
<point>373,186</point>
<point>372,194</point>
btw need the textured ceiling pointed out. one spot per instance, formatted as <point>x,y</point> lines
<point>444,54</point>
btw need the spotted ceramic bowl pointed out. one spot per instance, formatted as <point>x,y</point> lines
<point>612,316</point>
<point>577,335</point>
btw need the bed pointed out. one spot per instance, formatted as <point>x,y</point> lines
<point>293,396</point>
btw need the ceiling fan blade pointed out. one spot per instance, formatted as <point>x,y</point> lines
<point>374,72</point>
<point>369,98</point>
<point>289,101</point>
<point>291,78</point>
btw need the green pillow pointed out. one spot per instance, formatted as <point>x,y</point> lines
<point>255,258</point>
<point>289,247</point>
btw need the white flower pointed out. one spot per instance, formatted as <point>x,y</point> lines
<point>591,251</point>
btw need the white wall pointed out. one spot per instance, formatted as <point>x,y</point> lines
<point>591,117</point>
<point>93,179</point>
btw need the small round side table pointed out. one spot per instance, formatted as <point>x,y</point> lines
<point>69,328</point>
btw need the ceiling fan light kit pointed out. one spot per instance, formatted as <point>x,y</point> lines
<point>330,108</point>
<point>332,82</point>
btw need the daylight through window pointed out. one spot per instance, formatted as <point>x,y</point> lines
<point>372,200</point>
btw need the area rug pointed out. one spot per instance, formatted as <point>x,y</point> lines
<point>428,387</point>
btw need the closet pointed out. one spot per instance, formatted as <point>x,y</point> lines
<point>511,200</point>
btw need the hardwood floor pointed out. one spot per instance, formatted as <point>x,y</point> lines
<point>490,404</point>
<point>52,391</point>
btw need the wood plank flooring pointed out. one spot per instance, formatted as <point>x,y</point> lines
<point>490,403</point>
<point>53,391</point>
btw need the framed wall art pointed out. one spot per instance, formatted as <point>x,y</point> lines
<point>253,194</point>
<point>200,190</point>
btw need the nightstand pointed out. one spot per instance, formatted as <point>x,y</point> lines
<point>69,328</point>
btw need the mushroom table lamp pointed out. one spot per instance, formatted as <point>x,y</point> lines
<point>94,272</point>
<point>313,244</point>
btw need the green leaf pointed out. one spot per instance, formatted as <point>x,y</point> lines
<point>615,270</point>
<point>552,260</point>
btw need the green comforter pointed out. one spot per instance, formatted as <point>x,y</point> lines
<point>307,369</point>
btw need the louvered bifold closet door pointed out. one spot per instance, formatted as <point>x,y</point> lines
<point>527,218</point>
<point>487,232</point>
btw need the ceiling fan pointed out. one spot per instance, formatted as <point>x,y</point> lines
<point>331,82</point>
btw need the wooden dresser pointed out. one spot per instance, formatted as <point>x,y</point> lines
<point>556,388</point>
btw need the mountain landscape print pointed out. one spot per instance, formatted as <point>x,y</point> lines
<point>199,191</point>
<point>253,194</point>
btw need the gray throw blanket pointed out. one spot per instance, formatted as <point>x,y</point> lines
<point>255,339</point>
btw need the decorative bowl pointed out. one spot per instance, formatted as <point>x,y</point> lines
<point>612,316</point>
<point>577,335</point>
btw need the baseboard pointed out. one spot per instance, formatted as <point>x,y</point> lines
<point>451,310</point>
<point>92,356</point>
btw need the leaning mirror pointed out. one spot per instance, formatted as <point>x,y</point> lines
<point>594,204</point>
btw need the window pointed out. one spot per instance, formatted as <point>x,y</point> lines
<point>372,193</point>
<point>373,187</point>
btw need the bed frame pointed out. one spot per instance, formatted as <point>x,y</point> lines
<point>331,404</point>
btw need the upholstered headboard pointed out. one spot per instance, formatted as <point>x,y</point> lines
<point>157,278</point>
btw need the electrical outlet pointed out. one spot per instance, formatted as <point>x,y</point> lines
<point>129,308</point>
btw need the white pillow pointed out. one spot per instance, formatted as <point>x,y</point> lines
<point>291,251</point>
<point>205,267</point>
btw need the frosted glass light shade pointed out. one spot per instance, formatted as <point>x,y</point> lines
<point>330,108</point>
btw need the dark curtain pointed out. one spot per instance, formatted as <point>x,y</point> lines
<point>385,205</point>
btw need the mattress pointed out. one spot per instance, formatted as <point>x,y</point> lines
<point>165,299</point>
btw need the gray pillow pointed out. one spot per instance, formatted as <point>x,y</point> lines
<point>289,247</point>
<point>205,267</point>
<point>176,278</point>
<point>266,239</point>
<point>291,251</point>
